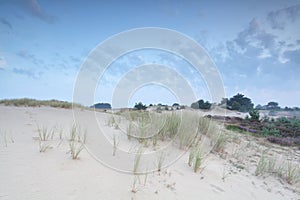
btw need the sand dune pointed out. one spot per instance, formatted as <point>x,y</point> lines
<point>27,173</point>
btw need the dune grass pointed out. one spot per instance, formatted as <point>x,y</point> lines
<point>136,173</point>
<point>137,160</point>
<point>76,141</point>
<point>192,155</point>
<point>262,165</point>
<point>38,103</point>
<point>160,161</point>
<point>198,159</point>
<point>288,171</point>
<point>45,133</point>
<point>182,128</point>
<point>219,142</point>
<point>43,146</point>
<point>76,134</point>
<point>75,149</point>
<point>291,173</point>
<point>115,144</point>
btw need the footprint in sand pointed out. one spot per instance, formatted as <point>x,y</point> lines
<point>218,189</point>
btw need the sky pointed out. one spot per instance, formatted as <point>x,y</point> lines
<point>255,46</point>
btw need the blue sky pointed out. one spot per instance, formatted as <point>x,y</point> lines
<point>255,45</point>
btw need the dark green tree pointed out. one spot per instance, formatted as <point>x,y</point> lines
<point>273,105</point>
<point>140,106</point>
<point>240,103</point>
<point>201,105</point>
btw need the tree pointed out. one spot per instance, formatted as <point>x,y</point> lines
<point>273,105</point>
<point>175,104</point>
<point>240,103</point>
<point>140,106</point>
<point>259,107</point>
<point>223,102</point>
<point>200,104</point>
<point>195,105</point>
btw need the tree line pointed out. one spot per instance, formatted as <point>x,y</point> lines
<point>238,102</point>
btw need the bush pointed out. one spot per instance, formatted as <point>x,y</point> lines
<point>254,115</point>
<point>270,132</point>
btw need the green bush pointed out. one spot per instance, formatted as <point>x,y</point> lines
<point>270,132</point>
<point>254,115</point>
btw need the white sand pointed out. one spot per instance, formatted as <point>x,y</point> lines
<point>25,173</point>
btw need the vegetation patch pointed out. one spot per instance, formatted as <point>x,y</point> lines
<point>38,103</point>
<point>284,131</point>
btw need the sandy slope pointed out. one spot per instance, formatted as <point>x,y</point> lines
<point>25,173</point>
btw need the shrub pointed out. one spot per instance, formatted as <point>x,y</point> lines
<point>254,115</point>
<point>270,132</point>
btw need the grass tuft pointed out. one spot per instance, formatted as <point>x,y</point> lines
<point>115,145</point>
<point>160,161</point>
<point>75,149</point>
<point>220,142</point>
<point>198,160</point>
<point>262,165</point>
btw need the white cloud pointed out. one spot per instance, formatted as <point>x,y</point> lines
<point>271,37</point>
<point>264,54</point>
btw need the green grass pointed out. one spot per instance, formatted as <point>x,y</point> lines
<point>235,128</point>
